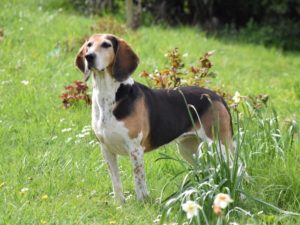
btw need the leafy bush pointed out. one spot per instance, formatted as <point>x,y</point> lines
<point>281,34</point>
<point>177,75</point>
<point>75,93</point>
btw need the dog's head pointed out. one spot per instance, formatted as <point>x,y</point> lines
<point>105,51</point>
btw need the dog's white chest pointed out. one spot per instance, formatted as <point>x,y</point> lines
<point>107,128</point>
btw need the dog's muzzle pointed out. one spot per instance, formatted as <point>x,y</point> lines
<point>90,58</point>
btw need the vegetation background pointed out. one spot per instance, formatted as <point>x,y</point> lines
<point>51,170</point>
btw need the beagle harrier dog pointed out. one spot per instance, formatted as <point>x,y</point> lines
<point>131,119</point>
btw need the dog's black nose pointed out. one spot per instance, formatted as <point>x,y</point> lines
<point>90,58</point>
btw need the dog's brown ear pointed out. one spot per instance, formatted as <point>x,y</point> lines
<point>81,63</point>
<point>126,61</point>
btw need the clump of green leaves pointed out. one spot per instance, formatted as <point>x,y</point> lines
<point>214,171</point>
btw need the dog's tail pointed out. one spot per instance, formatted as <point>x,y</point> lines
<point>228,110</point>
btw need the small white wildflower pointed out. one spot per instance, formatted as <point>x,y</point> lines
<point>79,195</point>
<point>234,223</point>
<point>25,82</point>
<point>68,140</point>
<point>93,192</point>
<point>62,120</point>
<point>157,220</point>
<point>24,190</point>
<point>82,135</point>
<point>128,197</point>
<point>77,141</point>
<point>185,55</point>
<point>237,97</point>
<point>86,129</point>
<point>191,208</point>
<point>6,82</point>
<point>222,200</point>
<point>53,138</point>
<point>79,135</point>
<point>151,76</point>
<point>260,212</point>
<point>66,130</point>
<point>91,142</point>
<point>183,81</point>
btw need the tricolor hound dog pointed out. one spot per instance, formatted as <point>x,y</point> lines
<point>129,118</point>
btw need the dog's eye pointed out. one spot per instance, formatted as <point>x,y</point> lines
<point>105,45</point>
<point>89,44</point>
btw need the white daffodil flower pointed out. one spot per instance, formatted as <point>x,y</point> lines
<point>191,208</point>
<point>237,97</point>
<point>233,223</point>
<point>222,200</point>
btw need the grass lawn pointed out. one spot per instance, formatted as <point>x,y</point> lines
<point>65,175</point>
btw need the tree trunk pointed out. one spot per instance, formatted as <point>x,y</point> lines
<point>134,11</point>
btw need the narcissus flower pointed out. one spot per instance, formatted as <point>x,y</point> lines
<point>222,200</point>
<point>236,98</point>
<point>191,208</point>
<point>217,210</point>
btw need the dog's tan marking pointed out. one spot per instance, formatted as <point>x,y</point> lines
<point>138,122</point>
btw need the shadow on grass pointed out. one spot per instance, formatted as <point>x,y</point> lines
<point>283,36</point>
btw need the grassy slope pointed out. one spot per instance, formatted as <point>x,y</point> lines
<point>74,175</point>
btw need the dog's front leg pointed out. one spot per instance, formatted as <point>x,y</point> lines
<point>112,163</point>
<point>137,160</point>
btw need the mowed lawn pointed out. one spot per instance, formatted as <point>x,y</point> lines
<point>51,169</point>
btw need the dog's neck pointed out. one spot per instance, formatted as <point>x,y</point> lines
<point>105,88</point>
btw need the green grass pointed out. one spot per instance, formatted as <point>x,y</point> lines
<point>33,148</point>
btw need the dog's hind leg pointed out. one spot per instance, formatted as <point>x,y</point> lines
<point>112,163</point>
<point>188,147</point>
